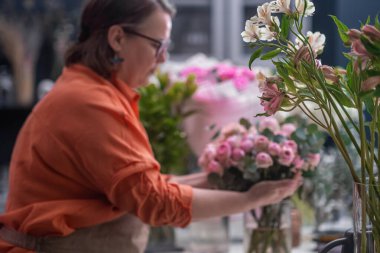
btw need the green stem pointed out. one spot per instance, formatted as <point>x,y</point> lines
<point>363,178</point>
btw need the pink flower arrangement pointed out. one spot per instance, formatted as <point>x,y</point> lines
<point>239,76</point>
<point>267,151</point>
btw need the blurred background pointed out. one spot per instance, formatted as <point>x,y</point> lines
<point>34,35</point>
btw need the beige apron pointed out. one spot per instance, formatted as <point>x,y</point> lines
<point>123,235</point>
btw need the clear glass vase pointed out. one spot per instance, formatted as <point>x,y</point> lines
<point>366,206</point>
<point>268,229</point>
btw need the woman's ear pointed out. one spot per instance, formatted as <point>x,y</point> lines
<point>115,38</point>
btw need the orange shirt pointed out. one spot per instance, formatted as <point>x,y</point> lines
<point>83,158</point>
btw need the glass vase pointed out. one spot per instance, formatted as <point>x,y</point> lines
<point>268,229</point>
<point>366,206</point>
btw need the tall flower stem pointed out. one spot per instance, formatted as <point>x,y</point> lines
<point>363,196</point>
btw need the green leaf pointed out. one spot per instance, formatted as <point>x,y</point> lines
<point>368,20</point>
<point>216,135</point>
<point>340,96</point>
<point>300,134</point>
<point>312,128</point>
<point>245,122</point>
<point>285,27</point>
<point>342,29</point>
<point>284,74</point>
<point>377,91</point>
<point>368,101</point>
<point>270,54</point>
<point>377,23</point>
<point>268,133</point>
<point>254,56</point>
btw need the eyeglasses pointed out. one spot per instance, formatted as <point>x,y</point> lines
<point>161,45</point>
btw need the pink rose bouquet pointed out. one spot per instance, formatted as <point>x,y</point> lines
<point>266,151</point>
<point>245,154</point>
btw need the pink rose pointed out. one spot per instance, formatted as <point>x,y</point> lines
<point>261,142</point>
<point>269,123</point>
<point>291,144</point>
<point>298,162</point>
<point>223,152</point>
<point>313,159</point>
<point>237,154</point>
<point>246,144</point>
<point>263,160</point>
<point>208,154</point>
<point>287,129</point>
<point>287,156</point>
<point>214,166</point>
<point>233,140</point>
<point>274,149</point>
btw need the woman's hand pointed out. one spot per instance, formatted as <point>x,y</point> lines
<point>218,203</point>
<point>271,192</point>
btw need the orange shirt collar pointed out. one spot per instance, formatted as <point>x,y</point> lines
<point>130,94</point>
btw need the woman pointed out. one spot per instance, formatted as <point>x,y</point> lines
<point>82,176</point>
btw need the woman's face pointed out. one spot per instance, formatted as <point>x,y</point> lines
<point>143,48</point>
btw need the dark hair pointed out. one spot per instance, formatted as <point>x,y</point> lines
<point>98,16</point>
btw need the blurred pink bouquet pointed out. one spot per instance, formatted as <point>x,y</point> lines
<point>268,151</point>
<point>244,155</point>
<point>239,76</point>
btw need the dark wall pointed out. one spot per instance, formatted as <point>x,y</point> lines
<point>350,12</point>
<point>11,120</point>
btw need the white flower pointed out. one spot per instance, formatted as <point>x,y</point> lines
<point>300,6</point>
<point>280,6</point>
<point>251,33</point>
<point>264,13</point>
<point>266,34</point>
<point>316,40</point>
<point>257,21</point>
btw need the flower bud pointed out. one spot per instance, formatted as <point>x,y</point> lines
<point>354,34</point>
<point>358,49</point>
<point>329,73</point>
<point>302,54</point>
<point>370,83</point>
<point>371,32</point>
